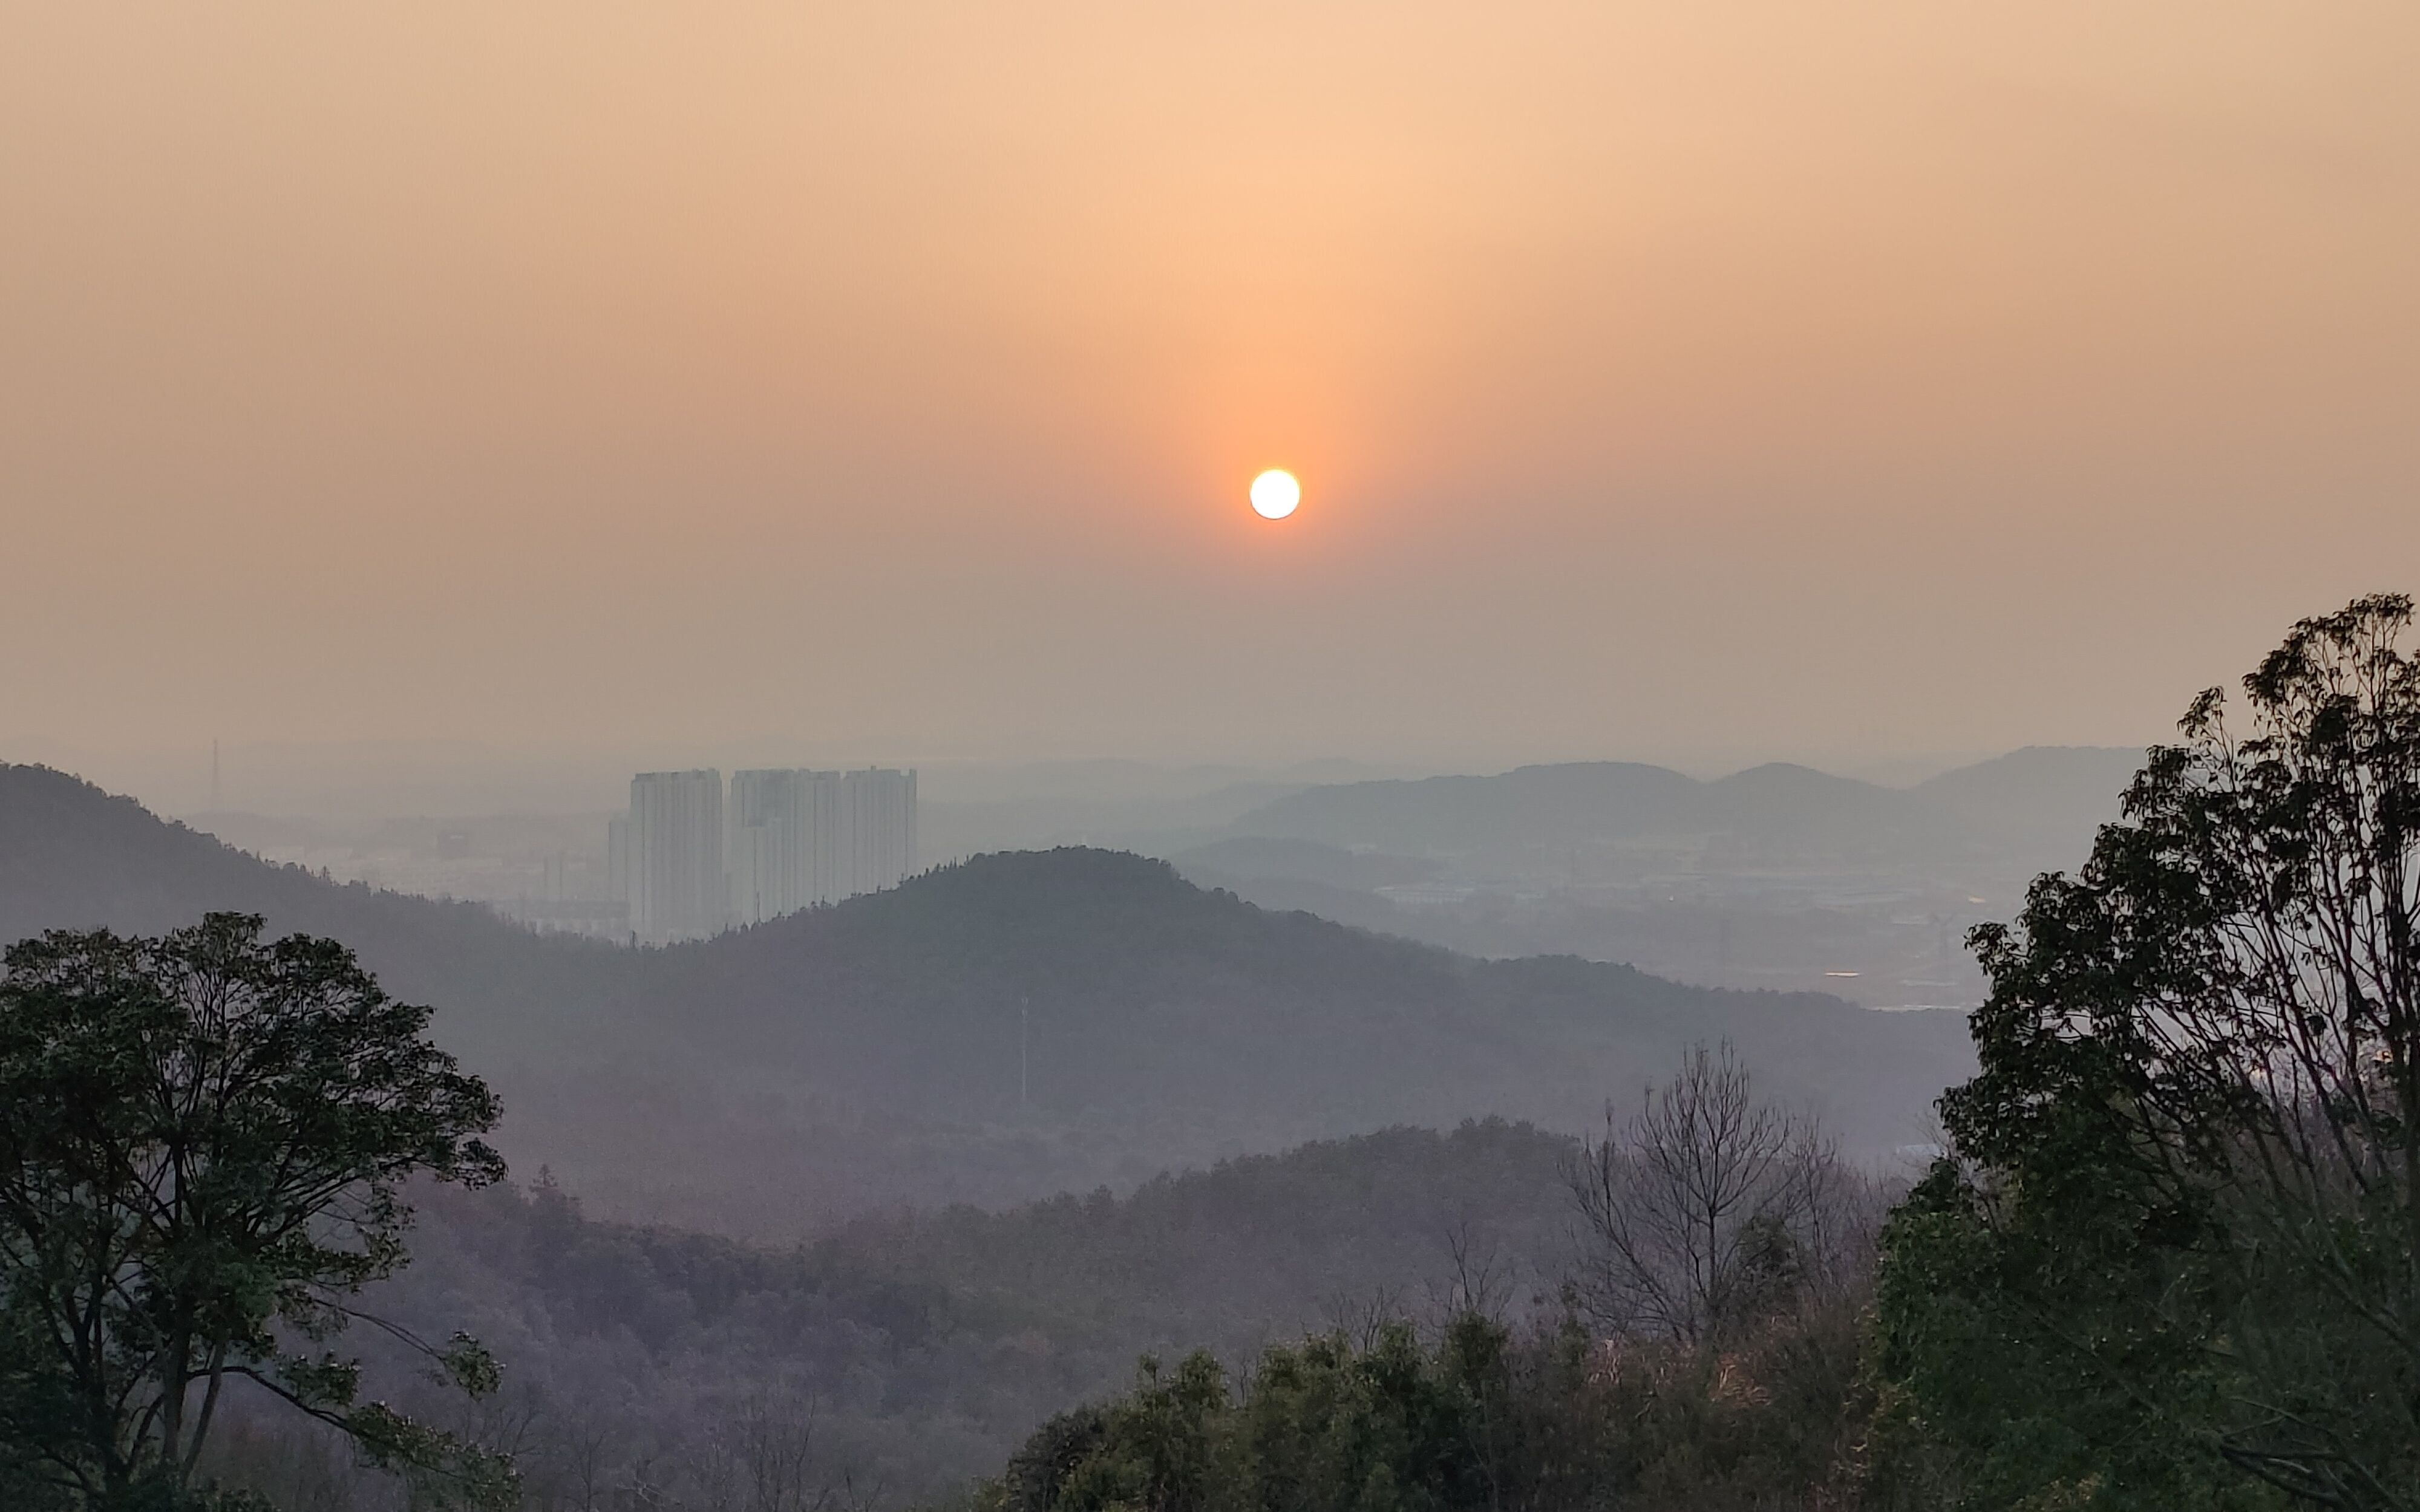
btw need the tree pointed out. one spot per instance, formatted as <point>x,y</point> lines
<point>1705,1211</point>
<point>204,1139</point>
<point>1323,1424</point>
<point>2177,1250</point>
<point>1477,1418</point>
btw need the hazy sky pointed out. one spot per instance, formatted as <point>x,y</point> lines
<point>885,377</point>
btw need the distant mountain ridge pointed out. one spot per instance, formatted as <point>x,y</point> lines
<point>2036,800</point>
<point>993,1031</point>
<point>2048,796</point>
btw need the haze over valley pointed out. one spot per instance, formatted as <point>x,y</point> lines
<point>994,1030</point>
<point>1374,756</point>
<point>1777,876</point>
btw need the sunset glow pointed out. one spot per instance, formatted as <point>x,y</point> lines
<point>974,323</point>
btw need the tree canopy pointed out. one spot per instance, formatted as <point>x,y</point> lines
<point>2174,1256</point>
<point>204,1139</point>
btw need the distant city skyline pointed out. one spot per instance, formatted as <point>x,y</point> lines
<point>690,857</point>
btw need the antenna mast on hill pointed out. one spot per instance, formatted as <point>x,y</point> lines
<point>214,773</point>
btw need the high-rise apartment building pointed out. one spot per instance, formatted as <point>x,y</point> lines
<point>772,853</point>
<point>800,837</point>
<point>876,829</point>
<point>677,887</point>
<point>688,862</point>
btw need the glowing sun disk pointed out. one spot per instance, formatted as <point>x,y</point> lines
<point>1274,493</point>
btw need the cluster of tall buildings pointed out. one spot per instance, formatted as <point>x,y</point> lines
<point>691,859</point>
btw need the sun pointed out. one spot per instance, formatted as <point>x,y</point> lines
<point>1274,493</point>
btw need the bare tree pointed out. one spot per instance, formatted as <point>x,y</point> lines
<point>1705,1211</point>
<point>775,1438</point>
<point>1363,1318</point>
<point>1483,1280</point>
<point>590,1455</point>
<point>761,1457</point>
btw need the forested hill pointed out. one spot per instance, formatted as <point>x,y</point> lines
<point>1015,1026</point>
<point>74,856</point>
<point>932,1344</point>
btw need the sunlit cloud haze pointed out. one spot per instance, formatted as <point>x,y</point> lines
<point>886,380</point>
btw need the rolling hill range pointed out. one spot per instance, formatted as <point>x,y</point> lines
<point>1776,877</point>
<point>1004,1028</point>
<point>2030,809</point>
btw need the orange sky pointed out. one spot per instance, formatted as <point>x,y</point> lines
<point>1665,381</point>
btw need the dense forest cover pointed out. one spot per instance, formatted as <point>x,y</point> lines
<point>897,1358</point>
<point>1700,1346</point>
<point>1478,1416</point>
<point>908,1354</point>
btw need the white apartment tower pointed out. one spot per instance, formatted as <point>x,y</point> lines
<point>772,853</point>
<point>876,829</point>
<point>800,837</point>
<point>677,889</point>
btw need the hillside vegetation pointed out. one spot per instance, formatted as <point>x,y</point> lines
<point>908,1354</point>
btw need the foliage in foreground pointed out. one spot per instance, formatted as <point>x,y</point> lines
<point>2175,1258</point>
<point>1481,1417</point>
<point>1706,1358</point>
<point>203,1142</point>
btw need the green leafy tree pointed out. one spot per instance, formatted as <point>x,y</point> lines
<point>203,1142</point>
<point>1481,1419</point>
<point>1322,1424</point>
<point>2175,1258</point>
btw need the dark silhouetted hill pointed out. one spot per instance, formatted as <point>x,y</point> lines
<point>74,856</point>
